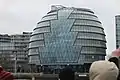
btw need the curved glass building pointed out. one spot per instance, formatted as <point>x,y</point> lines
<point>67,36</point>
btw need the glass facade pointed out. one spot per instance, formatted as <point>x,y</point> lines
<point>117,18</point>
<point>12,46</point>
<point>67,35</point>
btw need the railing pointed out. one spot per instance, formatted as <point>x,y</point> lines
<point>41,76</point>
<point>34,76</point>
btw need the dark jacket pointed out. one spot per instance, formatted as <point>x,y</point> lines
<point>67,74</point>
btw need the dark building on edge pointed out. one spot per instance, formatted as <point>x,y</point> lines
<point>117,21</point>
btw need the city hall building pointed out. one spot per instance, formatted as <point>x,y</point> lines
<point>67,36</point>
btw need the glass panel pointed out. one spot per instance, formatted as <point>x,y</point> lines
<point>84,42</point>
<point>6,46</point>
<point>36,44</point>
<point>37,37</point>
<point>92,50</point>
<point>33,51</point>
<point>91,36</point>
<point>82,16</point>
<point>41,24</point>
<point>87,29</point>
<point>87,22</point>
<point>34,59</point>
<point>49,17</point>
<point>82,12</point>
<point>41,30</point>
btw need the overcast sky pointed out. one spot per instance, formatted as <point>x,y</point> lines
<point>17,16</point>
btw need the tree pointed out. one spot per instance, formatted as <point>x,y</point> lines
<point>5,61</point>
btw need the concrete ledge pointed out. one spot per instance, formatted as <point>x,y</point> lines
<point>78,76</point>
<point>36,75</point>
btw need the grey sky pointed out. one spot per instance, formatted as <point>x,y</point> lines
<point>17,16</point>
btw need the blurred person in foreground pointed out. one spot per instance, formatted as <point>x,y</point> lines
<point>5,75</point>
<point>67,74</point>
<point>103,70</point>
<point>115,57</point>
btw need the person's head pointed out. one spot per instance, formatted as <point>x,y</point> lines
<point>103,70</point>
<point>67,74</point>
<point>116,53</point>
